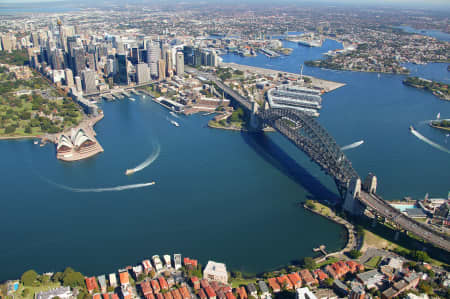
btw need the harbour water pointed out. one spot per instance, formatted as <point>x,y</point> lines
<point>221,195</point>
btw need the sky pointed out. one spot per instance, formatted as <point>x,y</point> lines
<point>406,3</point>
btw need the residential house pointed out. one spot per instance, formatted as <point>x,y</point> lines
<point>307,278</point>
<point>124,277</point>
<point>91,284</point>
<point>295,279</point>
<point>274,285</point>
<point>284,282</point>
<point>251,290</point>
<point>216,271</point>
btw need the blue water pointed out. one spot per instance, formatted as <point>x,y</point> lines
<point>228,196</point>
<point>403,207</point>
<point>433,33</point>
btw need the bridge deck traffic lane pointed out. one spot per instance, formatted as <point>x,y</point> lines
<point>386,210</point>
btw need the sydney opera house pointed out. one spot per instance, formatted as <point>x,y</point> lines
<point>76,146</point>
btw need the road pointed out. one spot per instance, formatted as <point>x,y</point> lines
<point>419,229</point>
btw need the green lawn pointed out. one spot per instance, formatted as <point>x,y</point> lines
<point>373,262</point>
<point>243,281</point>
<point>328,261</point>
<point>37,289</point>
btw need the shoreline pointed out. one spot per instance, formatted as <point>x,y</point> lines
<point>351,233</point>
<point>20,137</point>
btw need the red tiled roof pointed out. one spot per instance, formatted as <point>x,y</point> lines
<point>320,274</point>
<point>97,296</point>
<point>204,283</point>
<point>284,281</point>
<point>149,296</point>
<point>210,292</point>
<point>242,293</point>
<point>159,296</point>
<point>307,277</point>
<point>146,288</point>
<point>163,283</point>
<point>91,284</point>
<point>202,294</point>
<point>227,289</point>
<point>168,295</point>
<point>124,278</point>
<point>274,284</point>
<point>184,292</point>
<point>155,286</point>
<point>105,296</point>
<point>114,296</point>
<point>295,279</point>
<point>230,295</point>
<point>176,294</point>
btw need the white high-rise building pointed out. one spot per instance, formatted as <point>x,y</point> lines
<point>142,73</point>
<point>153,56</point>
<point>68,77</point>
<point>88,81</point>
<point>180,63</point>
<point>78,84</point>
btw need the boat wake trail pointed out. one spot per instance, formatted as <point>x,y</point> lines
<point>103,189</point>
<point>426,140</point>
<point>353,145</point>
<point>149,160</point>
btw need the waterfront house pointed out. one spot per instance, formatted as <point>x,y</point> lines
<point>147,266</point>
<point>138,270</point>
<point>167,261</point>
<point>102,283</point>
<point>177,261</point>
<point>274,285</point>
<point>91,284</point>
<point>251,289</point>
<point>320,275</point>
<point>190,262</point>
<point>241,292</point>
<point>113,280</point>
<point>216,272</point>
<point>157,262</point>
<point>284,282</point>
<point>263,288</point>
<point>295,280</point>
<point>307,278</point>
<point>123,277</point>
<point>331,272</point>
<point>354,266</point>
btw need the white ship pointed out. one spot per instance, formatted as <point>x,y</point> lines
<point>174,123</point>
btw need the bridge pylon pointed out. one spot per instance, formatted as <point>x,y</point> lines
<point>351,203</point>
<point>255,122</point>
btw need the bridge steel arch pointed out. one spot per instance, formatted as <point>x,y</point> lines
<point>310,137</point>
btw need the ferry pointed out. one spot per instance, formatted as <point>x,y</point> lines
<point>129,171</point>
<point>174,123</point>
<point>411,128</point>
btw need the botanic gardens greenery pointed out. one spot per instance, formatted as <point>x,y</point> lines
<point>19,57</point>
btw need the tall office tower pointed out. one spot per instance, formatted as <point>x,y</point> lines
<point>153,56</point>
<point>142,73</point>
<point>78,61</point>
<point>62,38</point>
<point>169,64</point>
<point>164,48</point>
<point>57,59</point>
<point>197,59</point>
<point>161,69</point>
<point>122,69</point>
<point>78,84</point>
<point>180,63</point>
<point>205,58</point>
<point>68,77</point>
<point>34,39</point>
<point>90,61</point>
<point>214,59</point>
<point>110,67</point>
<point>135,55</point>
<point>7,43</point>
<point>143,55</point>
<point>88,81</point>
<point>188,55</point>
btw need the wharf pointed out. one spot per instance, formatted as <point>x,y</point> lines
<point>325,85</point>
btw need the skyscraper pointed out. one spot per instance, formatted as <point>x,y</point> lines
<point>153,55</point>
<point>78,61</point>
<point>88,81</point>
<point>161,69</point>
<point>180,64</point>
<point>68,77</point>
<point>169,64</point>
<point>122,69</point>
<point>142,73</point>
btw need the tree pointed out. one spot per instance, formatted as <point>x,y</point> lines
<point>72,278</point>
<point>29,277</point>
<point>420,256</point>
<point>328,282</point>
<point>310,204</point>
<point>26,292</point>
<point>308,262</point>
<point>236,274</point>
<point>10,129</point>
<point>354,254</point>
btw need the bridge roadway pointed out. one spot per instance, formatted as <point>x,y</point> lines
<point>384,209</point>
<point>371,201</point>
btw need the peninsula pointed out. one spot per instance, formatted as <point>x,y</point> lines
<point>439,89</point>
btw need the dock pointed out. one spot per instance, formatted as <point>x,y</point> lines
<point>321,249</point>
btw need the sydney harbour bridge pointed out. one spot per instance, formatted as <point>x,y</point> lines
<point>311,138</point>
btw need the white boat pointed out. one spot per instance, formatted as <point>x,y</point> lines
<point>174,123</point>
<point>36,142</point>
<point>129,171</point>
<point>173,114</point>
<point>132,99</point>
